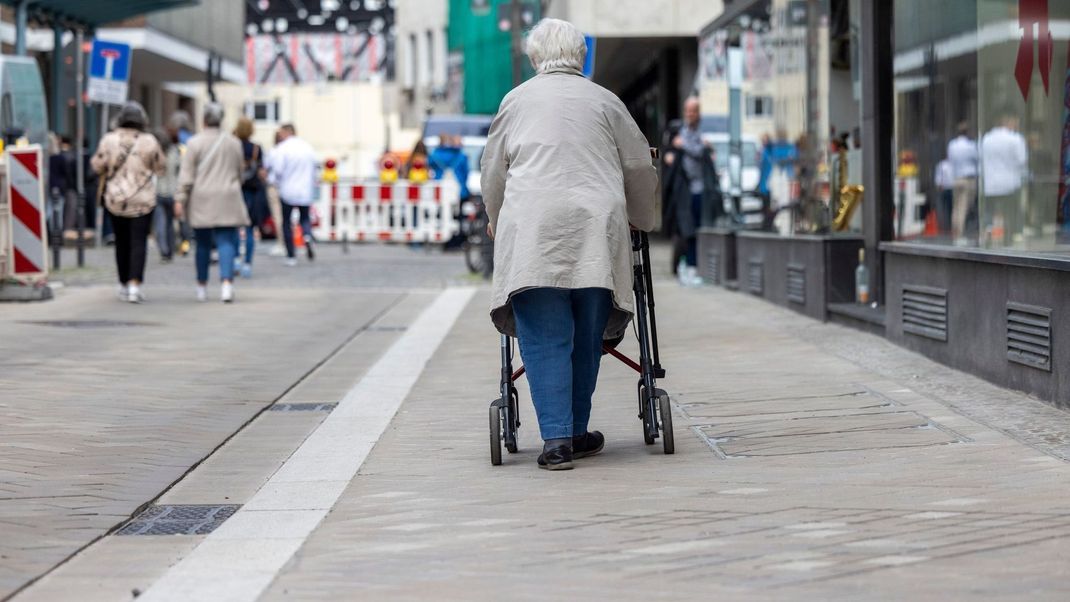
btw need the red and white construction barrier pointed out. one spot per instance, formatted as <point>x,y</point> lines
<point>27,243</point>
<point>363,210</point>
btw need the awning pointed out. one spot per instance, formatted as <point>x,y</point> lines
<point>96,12</point>
<point>735,9</point>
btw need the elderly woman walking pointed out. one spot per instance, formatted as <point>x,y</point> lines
<point>128,160</point>
<point>564,172</point>
<point>209,191</point>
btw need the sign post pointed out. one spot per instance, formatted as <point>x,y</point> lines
<point>109,72</point>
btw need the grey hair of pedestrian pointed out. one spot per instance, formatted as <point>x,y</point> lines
<point>132,115</point>
<point>555,44</point>
<point>213,114</point>
<point>179,120</point>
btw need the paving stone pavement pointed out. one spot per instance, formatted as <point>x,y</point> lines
<point>798,474</point>
<point>812,462</point>
<point>104,405</point>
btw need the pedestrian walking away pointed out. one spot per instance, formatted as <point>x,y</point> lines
<point>292,169</point>
<point>209,191</point>
<point>128,160</point>
<point>560,198</point>
<point>166,183</point>
<point>252,189</point>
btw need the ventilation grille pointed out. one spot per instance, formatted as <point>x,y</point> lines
<point>713,266</point>
<point>1029,335</point>
<point>925,311</point>
<point>797,283</point>
<point>755,276</point>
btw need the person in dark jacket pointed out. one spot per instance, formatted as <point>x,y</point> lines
<point>691,189</point>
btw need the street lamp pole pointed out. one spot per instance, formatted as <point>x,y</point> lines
<point>517,40</point>
<point>79,153</point>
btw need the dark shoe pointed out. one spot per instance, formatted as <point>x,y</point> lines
<point>587,444</point>
<point>556,458</point>
<point>310,247</point>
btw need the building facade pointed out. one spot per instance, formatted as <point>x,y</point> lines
<point>963,138</point>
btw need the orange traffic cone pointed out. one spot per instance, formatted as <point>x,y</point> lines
<point>931,227</point>
<point>299,237</point>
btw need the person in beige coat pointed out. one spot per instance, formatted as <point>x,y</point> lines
<point>209,194</point>
<point>565,171</point>
<point>128,160</point>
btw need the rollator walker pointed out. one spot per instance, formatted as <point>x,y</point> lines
<point>655,410</point>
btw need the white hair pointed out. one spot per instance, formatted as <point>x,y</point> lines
<point>554,43</point>
<point>213,114</point>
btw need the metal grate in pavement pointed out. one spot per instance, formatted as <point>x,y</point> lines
<point>182,519</point>
<point>89,323</point>
<point>303,407</point>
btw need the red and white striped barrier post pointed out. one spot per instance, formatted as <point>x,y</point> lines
<point>27,240</point>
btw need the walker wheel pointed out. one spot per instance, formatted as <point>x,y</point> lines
<point>495,435</point>
<point>512,422</point>
<point>668,442</point>
<point>645,414</point>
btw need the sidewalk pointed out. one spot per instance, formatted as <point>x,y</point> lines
<point>799,473</point>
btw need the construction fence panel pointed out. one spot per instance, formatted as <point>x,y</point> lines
<point>368,210</point>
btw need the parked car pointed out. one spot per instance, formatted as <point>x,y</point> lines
<point>750,173</point>
<point>458,125</point>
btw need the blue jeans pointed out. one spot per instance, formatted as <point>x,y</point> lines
<point>224,239</point>
<point>560,334</point>
<point>304,219</point>
<point>250,239</point>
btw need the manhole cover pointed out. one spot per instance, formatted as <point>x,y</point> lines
<point>89,323</point>
<point>185,519</point>
<point>849,432</point>
<point>303,407</point>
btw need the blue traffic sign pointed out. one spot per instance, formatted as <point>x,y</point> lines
<point>110,61</point>
<point>588,63</point>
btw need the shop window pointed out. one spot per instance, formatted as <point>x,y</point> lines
<point>759,106</point>
<point>982,127</point>
<point>262,111</point>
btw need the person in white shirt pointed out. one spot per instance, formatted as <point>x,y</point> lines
<point>1004,164</point>
<point>962,155</point>
<point>292,169</point>
<point>944,178</point>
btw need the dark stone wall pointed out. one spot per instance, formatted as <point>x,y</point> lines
<point>804,273</point>
<point>977,298</point>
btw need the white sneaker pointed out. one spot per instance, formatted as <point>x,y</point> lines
<point>133,294</point>
<point>226,294</point>
<point>291,262</point>
<point>202,293</point>
<point>124,292</point>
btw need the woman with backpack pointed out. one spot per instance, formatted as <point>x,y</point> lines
<point>128,160</point>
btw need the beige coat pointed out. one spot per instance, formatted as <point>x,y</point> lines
<point>128,161</point>
<point>209,182</point>
<point>564,172</point>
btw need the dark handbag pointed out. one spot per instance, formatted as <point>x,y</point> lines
<point>250,175</point>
